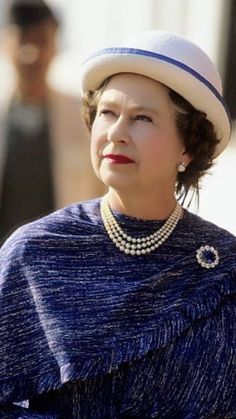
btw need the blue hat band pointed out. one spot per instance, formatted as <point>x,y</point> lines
<point>135,51</point>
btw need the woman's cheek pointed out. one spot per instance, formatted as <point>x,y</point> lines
<point>157,150</point>
<point>156,144</point>
<point>96,139</point>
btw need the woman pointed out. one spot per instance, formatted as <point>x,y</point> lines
<point>124,306</point>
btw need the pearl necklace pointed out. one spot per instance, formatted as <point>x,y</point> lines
<point>137,246</point>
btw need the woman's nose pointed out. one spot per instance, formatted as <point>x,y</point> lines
<point>118,131</point>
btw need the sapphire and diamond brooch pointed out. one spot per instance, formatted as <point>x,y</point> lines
<point>207,257</point>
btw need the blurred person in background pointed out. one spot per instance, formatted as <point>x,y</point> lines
<point>44,147</point>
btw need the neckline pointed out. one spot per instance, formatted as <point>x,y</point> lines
<point>124,217</point>
<point>142,226</point>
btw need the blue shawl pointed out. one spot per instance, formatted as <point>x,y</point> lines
<point>73,307</point>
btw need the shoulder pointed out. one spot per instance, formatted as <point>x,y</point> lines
<point>58,228</point>
<point>204,231</point>
<point>65,111</point>
<point>73,219</point>
<point>65,100</point>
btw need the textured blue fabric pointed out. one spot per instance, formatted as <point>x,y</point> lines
<point>89,332</point>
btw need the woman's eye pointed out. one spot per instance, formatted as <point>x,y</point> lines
<point>107,112</point>
<point>144,118</point>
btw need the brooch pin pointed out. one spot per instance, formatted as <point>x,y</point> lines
<point>207,256</point>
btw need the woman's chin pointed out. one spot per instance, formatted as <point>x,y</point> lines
<point>116,181</point>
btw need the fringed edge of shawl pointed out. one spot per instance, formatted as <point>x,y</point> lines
<point>202,306</point>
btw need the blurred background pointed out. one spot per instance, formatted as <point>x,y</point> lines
<point>87,25</point>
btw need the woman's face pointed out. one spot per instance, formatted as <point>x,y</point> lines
<point>134,139</point>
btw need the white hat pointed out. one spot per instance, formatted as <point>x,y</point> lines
<point>172,60</point>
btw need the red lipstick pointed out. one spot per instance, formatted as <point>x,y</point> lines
<point>118,158</point>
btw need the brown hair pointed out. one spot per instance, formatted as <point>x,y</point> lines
<point>196,131</point>
<point>27,13</point>
<point>89,104</point>
<point>200,141</point>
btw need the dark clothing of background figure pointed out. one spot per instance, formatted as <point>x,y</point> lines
<point>46,149</point>
<point>27,187</point>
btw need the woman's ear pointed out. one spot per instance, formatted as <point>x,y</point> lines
<point>185,158</point>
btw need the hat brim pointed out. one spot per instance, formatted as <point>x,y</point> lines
<point>174,74</point>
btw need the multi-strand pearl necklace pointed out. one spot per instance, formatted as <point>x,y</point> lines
<point>137,246</point>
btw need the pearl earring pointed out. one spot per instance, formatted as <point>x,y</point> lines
<point>181,167</point>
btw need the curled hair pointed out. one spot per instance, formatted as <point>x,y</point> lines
<point>89,104</point>
<point>200,141</point>
<point>89,107</point>
<point>195,130</point>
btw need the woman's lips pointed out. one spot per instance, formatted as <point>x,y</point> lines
<point>118,158</point>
